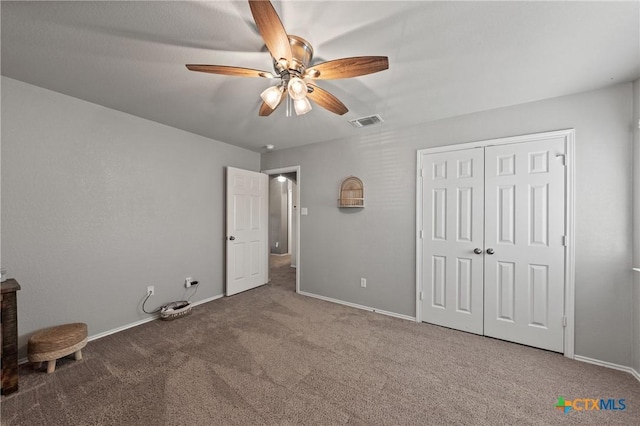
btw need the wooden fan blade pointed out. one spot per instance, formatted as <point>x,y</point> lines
<point>326,100</point>
<point>224,70</point>
<point>265,110</point>
<point>348,67</point>
<point>271,29</point>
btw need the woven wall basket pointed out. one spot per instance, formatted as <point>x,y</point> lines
<point>351,193</point>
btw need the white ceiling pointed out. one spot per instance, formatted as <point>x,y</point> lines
<point>445,59</point>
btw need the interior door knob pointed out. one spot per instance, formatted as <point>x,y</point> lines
<point>232,238</point>
<point>477,250</point>
<point>490,251</point>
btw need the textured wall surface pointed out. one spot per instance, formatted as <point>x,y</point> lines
<point>97,205</point>
<point>636,225</point>
<point>340,246</point>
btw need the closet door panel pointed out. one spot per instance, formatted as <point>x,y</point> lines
<point>452,224</point>
<point>524,229</point>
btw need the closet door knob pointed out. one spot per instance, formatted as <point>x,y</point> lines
<point>232,238</point>
<point>477,250</point>
<point>490,251</point>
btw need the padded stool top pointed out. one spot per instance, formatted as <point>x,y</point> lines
<point>58,337</point>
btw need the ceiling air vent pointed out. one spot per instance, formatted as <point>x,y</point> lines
<point>366,121</point>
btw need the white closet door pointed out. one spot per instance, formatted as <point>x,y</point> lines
<point>524,248</point>
<point>452,198</point>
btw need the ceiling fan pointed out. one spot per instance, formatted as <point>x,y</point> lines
<point>291,58</point>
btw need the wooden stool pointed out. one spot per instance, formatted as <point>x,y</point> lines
<point>55,342</point>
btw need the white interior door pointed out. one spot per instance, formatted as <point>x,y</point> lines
<point>524,243</point>
<point>452,224</point>
<point>247,230</point>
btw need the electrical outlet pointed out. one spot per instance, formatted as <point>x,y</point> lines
<point>363,282</point>
<point>187,282</point>
<point>151,290</point>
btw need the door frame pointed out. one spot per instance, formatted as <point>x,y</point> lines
<point>290,169</point>
<point>569,290</point>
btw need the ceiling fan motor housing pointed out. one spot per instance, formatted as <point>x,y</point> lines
<point>301,55</point>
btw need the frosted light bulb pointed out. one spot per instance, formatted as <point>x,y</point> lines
<point>297,88</point>
<point>302,106</point>
<point>271,96</point>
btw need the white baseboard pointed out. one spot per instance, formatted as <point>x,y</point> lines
<point>210,299</point>
<point>355,305</point>
<point>611,365</point>
<point>146,320</point>
<point>133,324</point>
<point>122,328</point>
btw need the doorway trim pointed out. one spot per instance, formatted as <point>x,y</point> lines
<point>295,169</point>
<point>569,290</point>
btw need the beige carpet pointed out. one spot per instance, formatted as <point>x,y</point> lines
<point>270,356</point>
<point>279,260</point>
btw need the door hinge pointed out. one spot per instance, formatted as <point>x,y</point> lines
<point>564,321</point>
<point>421,295</point>
<point>564,163</point>
<point>421,234</point>
<point>421,172</point>
<point>565,240</point>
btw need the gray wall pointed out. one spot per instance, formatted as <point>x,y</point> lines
<point>338,246</point>
<point>636,225</point>
<point>278,215</point>
<point>98,204</point>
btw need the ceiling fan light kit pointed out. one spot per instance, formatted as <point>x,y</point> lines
<point>272,96</point>
<point>302,106</point>
<point>297,88</point>
<point>292,57</point>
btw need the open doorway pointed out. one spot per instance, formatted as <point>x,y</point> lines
<point>284,219</point>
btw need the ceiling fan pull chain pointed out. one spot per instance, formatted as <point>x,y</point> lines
<point>288,105</point>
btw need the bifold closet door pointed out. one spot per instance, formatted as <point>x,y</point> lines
<point>452,283</point>
<point>524,243</point>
